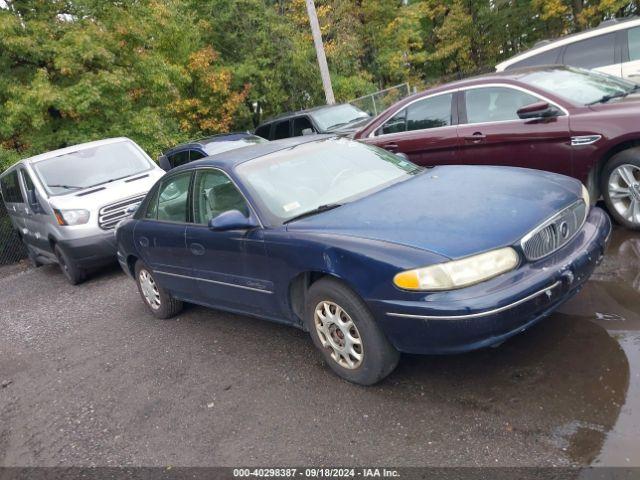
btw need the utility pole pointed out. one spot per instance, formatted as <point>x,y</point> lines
<point>322,59</point>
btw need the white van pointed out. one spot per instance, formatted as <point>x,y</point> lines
<point>613,47</point>
<point>65,204</point>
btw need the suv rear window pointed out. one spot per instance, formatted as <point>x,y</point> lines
<point>591,53</point>
<point>11,188</point>
<point>281,130</point>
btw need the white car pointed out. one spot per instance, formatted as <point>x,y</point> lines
<point>613,47</point>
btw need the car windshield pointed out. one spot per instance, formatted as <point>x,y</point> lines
<point>225,145</point>
<point>313,176</point>
<point>89,167</point>
<point>331,117</point>
<point>577,85</point>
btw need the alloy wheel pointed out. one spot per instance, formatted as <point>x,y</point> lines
<point>624,192</point>
<point>149,289</point>
<point>339,334</point>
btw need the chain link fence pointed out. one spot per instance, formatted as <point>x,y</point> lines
<point>11,247</point>
<point>374,103</point>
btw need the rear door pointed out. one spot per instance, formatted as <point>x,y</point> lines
<point>630,40</point>
<point>14,200</point>
<point>159,235</point>
<point>230,267</point>
<point>491,133</point>
<point>424,130</point>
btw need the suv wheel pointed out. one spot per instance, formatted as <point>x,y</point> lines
<point>72,272</point>
<point>344,330</point>
<point>159,302</point>
<point>621,187</point>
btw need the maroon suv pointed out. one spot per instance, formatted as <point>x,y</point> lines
<point>561,119</point>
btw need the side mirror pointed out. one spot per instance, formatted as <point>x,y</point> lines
<point>403,156</point>
<point>537,110</point>
<point>164,163</point>
<point>307,131</point>
<point>231,220</point>
<point>32,198</point>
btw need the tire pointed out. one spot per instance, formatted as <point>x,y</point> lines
<point>620,187</point>
<point>72,272</point>
<point>159,302</point>
<point>378,357</point>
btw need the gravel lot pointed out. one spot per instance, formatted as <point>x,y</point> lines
<point>89,378</point>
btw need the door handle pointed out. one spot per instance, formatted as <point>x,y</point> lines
<point>391,146</point>
<point>144,242</point>
<point>476,137</point>
<point>197,249</point>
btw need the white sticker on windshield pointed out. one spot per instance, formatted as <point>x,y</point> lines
<point>291,206</point>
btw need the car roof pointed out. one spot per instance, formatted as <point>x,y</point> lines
<point>607,26</point>
<point>283,116</point>
<point>231,158</point>
<point>221,137</point>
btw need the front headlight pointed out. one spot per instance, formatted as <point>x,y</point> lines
<point>586,197</point>
<point>459,273</point>
<point>72,217</point>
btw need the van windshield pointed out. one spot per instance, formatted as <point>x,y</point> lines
<point>90,167</point>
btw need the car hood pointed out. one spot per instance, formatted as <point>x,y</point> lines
<point>453,211</point>
<point>349,127</point>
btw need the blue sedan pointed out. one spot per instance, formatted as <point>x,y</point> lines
<point>370,253</point>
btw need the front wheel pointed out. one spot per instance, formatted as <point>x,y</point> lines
<point>72,272</point>
<point>344,330</point>
<point>621,187</point>
<point>159,302</point>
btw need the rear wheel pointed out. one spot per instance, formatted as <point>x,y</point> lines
<point>159,302</point>
<point>621,187</point>
<point>344,330</point>
<point>72,272</point>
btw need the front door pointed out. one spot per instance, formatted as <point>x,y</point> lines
<point>491,133</point>
<point>159,235</point>
<point>230,267</point>
<point>424,130</point>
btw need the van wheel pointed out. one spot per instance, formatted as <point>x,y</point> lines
<point>159,302</point>
<point>344,330</point>
<point>72,272</point>
<point>621,187</point>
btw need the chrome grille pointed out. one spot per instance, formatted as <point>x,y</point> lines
<point>111,214</point>
<point>555,232</point>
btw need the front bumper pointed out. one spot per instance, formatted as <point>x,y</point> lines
<point>91,252</point>
<point>486,314</point>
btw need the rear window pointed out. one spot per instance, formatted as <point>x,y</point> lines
<point>281,130</point>
<point>550,57</point>
<point>591,53</point>
<point>11,188</point>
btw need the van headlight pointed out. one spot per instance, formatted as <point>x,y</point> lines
<point>72,217</point>
<point>586,197</point>
<point>459,273</point>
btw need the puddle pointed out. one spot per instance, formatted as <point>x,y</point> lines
<point>611,300</point>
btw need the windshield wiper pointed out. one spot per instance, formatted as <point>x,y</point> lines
<point>319,209</point>
<point>606,98</point>
<point>66,187</point>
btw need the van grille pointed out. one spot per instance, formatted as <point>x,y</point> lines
<point>111,214</point>
<point>555,232</point>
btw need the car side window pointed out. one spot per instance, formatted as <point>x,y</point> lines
<point>495,104</point>
<point>195,155</point>
<point>281,130</point>
<point>213,194</point>
<point>173,198</point>
<point>263,131</point>
<point>431,112</point>
<point>397,123</point>
<point>633,39</point>
<point>151,212</point>
<point>300,124</point>
<point>591,53</point>
<point>11,188</point>
<point>550,57</point>
<point>180,158</point>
